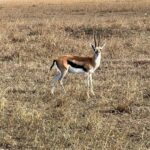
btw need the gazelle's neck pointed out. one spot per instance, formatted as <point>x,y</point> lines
<point>96,60</point>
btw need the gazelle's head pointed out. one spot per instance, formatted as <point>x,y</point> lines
<point>96,46</point>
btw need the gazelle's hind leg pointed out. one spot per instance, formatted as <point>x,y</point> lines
<point>54,81</point>
<point>63,74</point>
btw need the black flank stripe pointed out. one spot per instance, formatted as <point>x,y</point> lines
<point>74,65</point>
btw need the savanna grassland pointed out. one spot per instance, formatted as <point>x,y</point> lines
<point>33,34</point>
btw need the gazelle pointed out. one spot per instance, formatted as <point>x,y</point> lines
<point>78,64</point>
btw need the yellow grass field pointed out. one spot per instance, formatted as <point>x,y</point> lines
<point>33,33</point>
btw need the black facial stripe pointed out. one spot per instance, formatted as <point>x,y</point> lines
<point>96,51</point>
<point>74,65</point>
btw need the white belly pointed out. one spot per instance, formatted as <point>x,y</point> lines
<point>75,70</point>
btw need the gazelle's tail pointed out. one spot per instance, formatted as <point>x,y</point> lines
<point>52,64</point>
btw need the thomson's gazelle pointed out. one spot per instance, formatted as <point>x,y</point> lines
<point>78,64</point>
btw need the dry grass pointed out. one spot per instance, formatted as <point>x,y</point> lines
<point>117,118</point>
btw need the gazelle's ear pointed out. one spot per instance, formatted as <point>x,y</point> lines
<point>93,47</point>
<point>103,45</point>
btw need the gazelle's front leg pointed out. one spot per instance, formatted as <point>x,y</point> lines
<point>88,85</point>
<point>91,86</point>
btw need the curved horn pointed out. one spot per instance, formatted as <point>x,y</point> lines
<point>94,39</point>
<point>98,39</point>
